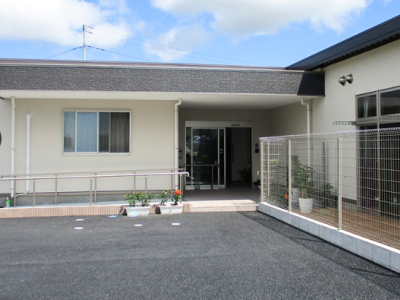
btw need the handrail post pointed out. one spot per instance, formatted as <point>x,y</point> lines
<point>56,189</point>
<point>95,188</point>
<point>180,184</point>
<point>172,181</point>
<point>145,185</point>
<point>91,188</point>
<point>15,196</point>
<point>34,193</point>
<point>134,182</point>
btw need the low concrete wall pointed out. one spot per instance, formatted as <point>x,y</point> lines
<point>381,254</point>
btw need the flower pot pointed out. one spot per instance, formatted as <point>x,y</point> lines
<point>306,205</point>
<point>134,211</point>
<point>169,208</point>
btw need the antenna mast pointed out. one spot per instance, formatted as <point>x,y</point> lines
<point>84,42</point>
<point>84,28</point>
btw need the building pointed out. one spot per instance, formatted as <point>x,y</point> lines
<point>71,116</point>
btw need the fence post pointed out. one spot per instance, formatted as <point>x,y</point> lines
<point>340,183</point>
<point>268,173</point>
<point>262,172</point>
<point>290,175</point>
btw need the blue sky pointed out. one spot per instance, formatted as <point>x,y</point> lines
<point>272,33</point>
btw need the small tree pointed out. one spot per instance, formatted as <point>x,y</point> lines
<point>305,183</point>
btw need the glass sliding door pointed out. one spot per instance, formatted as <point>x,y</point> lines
<point>204,156</point>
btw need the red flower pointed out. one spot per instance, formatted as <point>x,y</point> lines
<point>178,192</point>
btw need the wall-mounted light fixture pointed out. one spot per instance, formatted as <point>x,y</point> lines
<point>344,79</point>
<point>349,78</point>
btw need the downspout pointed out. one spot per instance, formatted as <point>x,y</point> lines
<point>308,130</point>
<point>177,141</point>
<point>12,147</point>
<point>28,149</point>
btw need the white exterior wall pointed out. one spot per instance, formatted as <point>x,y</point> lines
<point>374,70</point>
<point>258,117</point>
<point>288,120</point>
<point>152,143</point>
<point>5,147</point>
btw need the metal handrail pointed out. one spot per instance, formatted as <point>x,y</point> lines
<point>89,172</point>
<point>206,165</point>
<point>91,177</point>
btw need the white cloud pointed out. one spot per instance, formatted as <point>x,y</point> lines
<point>61,21</point>
<point>257,17</point>
<point>186,38</point>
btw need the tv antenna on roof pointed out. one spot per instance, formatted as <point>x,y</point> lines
<point>84,30</point>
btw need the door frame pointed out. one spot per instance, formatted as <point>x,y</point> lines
<point>222,125</point>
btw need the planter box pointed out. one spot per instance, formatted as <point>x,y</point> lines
<point>171,209</point>
<point>134,211</point>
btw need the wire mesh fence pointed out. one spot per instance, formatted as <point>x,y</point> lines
<point>350,180</point>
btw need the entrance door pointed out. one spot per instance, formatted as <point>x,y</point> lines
<point>217,153</point>
<point>205,158</point>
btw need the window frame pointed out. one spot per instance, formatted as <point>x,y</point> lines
<point>378,118</point>
<point>76,111</point>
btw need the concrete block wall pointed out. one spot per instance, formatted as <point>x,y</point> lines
<point>381,254</point>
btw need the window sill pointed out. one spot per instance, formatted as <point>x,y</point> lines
<point>95,154</point>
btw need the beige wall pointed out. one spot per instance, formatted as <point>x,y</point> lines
<point>288,120</point>
<point>152,142</point>
<point>374,70</point>
<point>258,117</point>
<point>5,147</point>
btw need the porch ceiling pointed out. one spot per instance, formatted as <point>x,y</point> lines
<point>189,100</point>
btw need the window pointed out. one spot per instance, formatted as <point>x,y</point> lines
<point>380,106</point>
<point>96,132</point>
<point>390,102</point>
<point>367,106</point>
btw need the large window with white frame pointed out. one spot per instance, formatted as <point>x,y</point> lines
<point>96,132</point>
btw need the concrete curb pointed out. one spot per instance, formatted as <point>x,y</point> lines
<point>381,254</point>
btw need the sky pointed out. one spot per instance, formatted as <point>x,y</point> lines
<point>274,33</point>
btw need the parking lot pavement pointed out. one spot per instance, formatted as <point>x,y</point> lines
<point>205,256</point>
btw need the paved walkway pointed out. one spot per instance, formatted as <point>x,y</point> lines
<point>234,193</point>
<point>208,256</point>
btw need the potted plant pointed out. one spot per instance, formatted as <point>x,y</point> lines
<point>306,186</point>
<point>139,204</point>
<point>164,206</point>
<point>176,207</point>
<point>163,197</point>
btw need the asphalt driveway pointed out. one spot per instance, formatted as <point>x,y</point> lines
<point>208,256</point>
